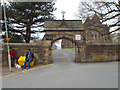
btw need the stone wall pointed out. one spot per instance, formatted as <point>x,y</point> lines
<point>102,53</point>
<point>21,50</point>
<point>52,35</point>
<point>83,53</point>
<point>67,44</point>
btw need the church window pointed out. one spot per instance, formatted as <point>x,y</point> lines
<point>95,34</point>
<point>99,35</point>
<point>92,33</point>
<point>88,35</point>
<point>95,24</point>
<point>106,31</point>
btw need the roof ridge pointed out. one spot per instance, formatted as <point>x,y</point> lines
<point>63,24</point>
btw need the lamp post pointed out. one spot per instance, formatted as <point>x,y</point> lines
<point>9,58</point>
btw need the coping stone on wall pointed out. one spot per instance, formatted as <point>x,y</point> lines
<point>20,44</point>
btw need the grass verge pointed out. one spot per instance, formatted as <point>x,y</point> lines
<point>52,51</point>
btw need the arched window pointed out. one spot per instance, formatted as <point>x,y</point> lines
<point>106,31</point>
<point>95,23</point>
<point>92,33</point>
<point>99,35</point>
<point>95,34</point>
<point>88,35</point>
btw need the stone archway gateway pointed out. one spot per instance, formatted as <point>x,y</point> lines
<point>64,29</point>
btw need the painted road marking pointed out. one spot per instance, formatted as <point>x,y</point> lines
<point>26,70</point>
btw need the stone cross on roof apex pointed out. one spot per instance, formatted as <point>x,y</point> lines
<point>63,12</point>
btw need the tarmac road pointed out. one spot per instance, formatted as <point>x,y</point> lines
<point>66,74</point>
<point>63,55</point>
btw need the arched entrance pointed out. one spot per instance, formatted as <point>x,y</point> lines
<point>64,55</point>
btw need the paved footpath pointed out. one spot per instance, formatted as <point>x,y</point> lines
<point>66,74</point>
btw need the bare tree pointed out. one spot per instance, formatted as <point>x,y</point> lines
<point>109,13</point>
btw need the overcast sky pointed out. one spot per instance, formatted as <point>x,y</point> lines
<point>69,6</point>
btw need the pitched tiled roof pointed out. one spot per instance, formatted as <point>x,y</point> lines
<point>95,20</point>
<point>60,24</point>
<point>57,23</point>
<point>87,21</point>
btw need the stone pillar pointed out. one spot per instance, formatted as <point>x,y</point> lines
<point>47,58</point>
<point>80,52</point>
<point>77,55</point>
